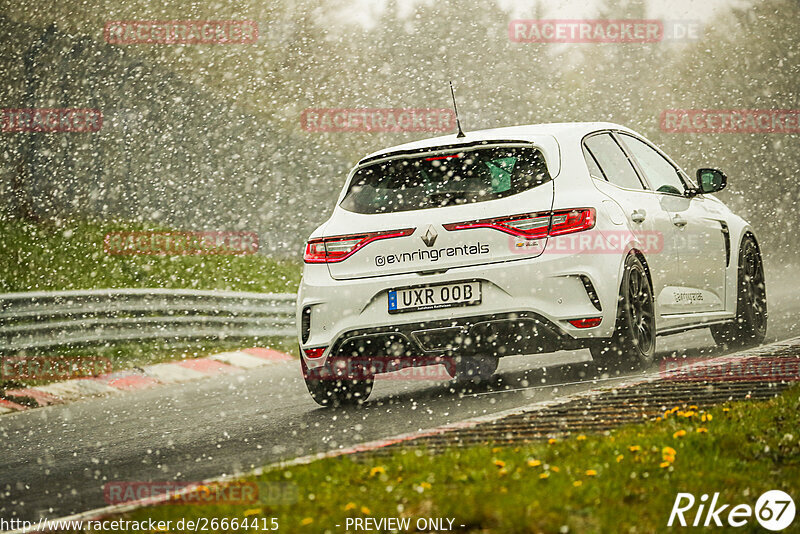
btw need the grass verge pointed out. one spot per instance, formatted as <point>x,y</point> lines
<point>624,481</point>
<point>70,255</point>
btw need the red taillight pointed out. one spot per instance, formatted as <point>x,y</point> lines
<point>529,225</point>
<point>314,353</point>
<point>588,322</point>
<point>536,225</point>
<point>337,248</point>
<point>569,221</point>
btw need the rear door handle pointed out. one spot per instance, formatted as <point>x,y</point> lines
<point>679,221</point>
<point>638,216</point>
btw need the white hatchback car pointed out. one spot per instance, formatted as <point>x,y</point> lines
<point>520,240</point>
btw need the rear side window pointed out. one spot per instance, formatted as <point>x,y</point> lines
<point>464,177</point>
<point>615,165</point>
<point>594,169</point>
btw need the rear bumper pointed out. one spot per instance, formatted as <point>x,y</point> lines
<point>503,334</point>
<point>525,308</point>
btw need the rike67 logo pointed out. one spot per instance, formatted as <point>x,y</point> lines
<point>774,510</point>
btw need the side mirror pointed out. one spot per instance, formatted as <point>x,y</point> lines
<point>711,180</point>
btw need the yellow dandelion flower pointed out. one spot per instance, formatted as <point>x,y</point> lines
<point>679,434</point>
<point>377,470</point>
<point>349,506</point>
<point>662,465</point>
<point>365,510</point>
<point>534,463</point>
<point>669,458</point>
<point>551,441</point>
<point>702,430</point>
<point>306,521</point>
<point>499,463</point>
<point>581,438</point>
<point>726,409</point>
<point>706,417</point>
<point>669,450</point>
<point>554,469</point>
<point>252,511</point>
<point>544,475</point>
<point>693,407</point>
<point>591,473</point>
<point>425,485</point>
<point>577,483</point>
<point>634,448</point>
<point>619,458</point>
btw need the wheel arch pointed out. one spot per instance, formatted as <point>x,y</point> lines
<point>640,255</point>
<point>740,229</point>
<point>733,266</point>
<point>748,232</point>
<point>633,250</point>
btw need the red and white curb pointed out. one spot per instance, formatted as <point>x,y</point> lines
<point>101,513</point>
<point>147,377</point>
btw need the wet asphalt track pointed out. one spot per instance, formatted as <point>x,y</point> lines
<point>55,460</point>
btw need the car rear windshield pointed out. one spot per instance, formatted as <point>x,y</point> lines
<point>446,179</point>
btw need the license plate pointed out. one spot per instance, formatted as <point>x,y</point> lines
<point>434,297</point>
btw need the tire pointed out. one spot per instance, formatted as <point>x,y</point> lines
<point>750,325</point>
<point>329,390</point>
<point>633,344</point>
<point>475,369</point>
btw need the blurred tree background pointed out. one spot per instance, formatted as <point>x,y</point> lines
<point>209,136</point>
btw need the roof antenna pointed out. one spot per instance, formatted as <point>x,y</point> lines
<point>455,108</point>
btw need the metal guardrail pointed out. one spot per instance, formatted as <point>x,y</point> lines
<point>55,318</point>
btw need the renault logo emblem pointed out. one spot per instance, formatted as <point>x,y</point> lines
<point>430,235</point>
